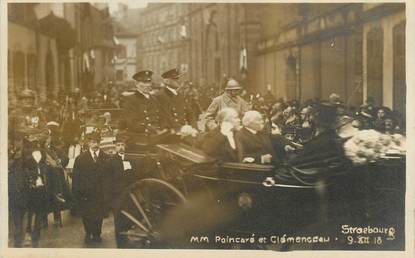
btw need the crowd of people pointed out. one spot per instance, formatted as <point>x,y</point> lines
<point>57,157</point>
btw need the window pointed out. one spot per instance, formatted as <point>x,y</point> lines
<point>122,52</point>
<point>119,75</point>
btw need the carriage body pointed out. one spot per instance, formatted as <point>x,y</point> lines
<point>177,191</point>
<point>245,199</point>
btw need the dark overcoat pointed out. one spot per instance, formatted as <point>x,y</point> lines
<point>123,178</point>
<point>92,185</point>
<point>254,145</point>
<point>175,111</point>
<point>141,114</point>
<point>217,146</point>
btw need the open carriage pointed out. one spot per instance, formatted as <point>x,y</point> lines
<point>185,199</point>
<point>180,198</point>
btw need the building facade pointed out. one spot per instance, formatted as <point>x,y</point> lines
<point>205,39</point>
<point>339,48</point>
<point>298,51</point>
<point>126,27</point>
<point>126,59</point>
<point>54,48</point>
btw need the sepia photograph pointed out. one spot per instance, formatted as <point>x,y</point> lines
<point>206,125</point>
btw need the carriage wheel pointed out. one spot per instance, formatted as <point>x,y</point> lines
<point>143,207</point>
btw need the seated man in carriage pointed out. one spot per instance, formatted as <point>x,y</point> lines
<point>253,143</point>
<point>325,142</point>
<point>220,142</point>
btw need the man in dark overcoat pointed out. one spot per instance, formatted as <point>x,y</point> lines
<point>253,144</point>
<point>325,142</point>
<point>220,142</point>
<point>31,183</point>
<point>92,187</point>
<point>126,172</point>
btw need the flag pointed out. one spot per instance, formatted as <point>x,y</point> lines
<point>243,60</point>
<point>86,65</point>
<point>206,16</point>
<point>183,31</point>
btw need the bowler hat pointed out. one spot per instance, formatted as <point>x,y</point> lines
<point>143,76</point>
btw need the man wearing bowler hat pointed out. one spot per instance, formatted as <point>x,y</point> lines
<point>229,99</point>
<point>92,187</point>
<point>142,115</point>
<point>175,112</point>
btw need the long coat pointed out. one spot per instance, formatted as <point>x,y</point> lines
<point>254,145</point>
<point>18,185</point>
<point>92,184</point>
<point>123,178</point>
<point>325,145</point>
<point>225,101</point>
<point>217,145</point>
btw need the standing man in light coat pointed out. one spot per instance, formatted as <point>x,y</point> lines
<point>229,99</point>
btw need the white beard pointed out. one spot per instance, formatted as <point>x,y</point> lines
<point>37,156</point>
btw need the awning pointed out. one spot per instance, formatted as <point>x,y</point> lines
<point>58,28</point>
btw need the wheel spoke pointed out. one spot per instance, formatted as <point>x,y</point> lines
<point>137,204</point>
<point>131,217</point>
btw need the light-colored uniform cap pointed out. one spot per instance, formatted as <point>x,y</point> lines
<point>233,85</point>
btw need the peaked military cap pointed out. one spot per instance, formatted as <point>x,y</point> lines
<point>172,74</point>
<point>143,76</point>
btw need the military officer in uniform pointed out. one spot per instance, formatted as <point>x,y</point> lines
<point>229,99</point>
<point>175,113</point>
<point>142,114</point>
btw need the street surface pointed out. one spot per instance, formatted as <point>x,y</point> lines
<point>71,235</point>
